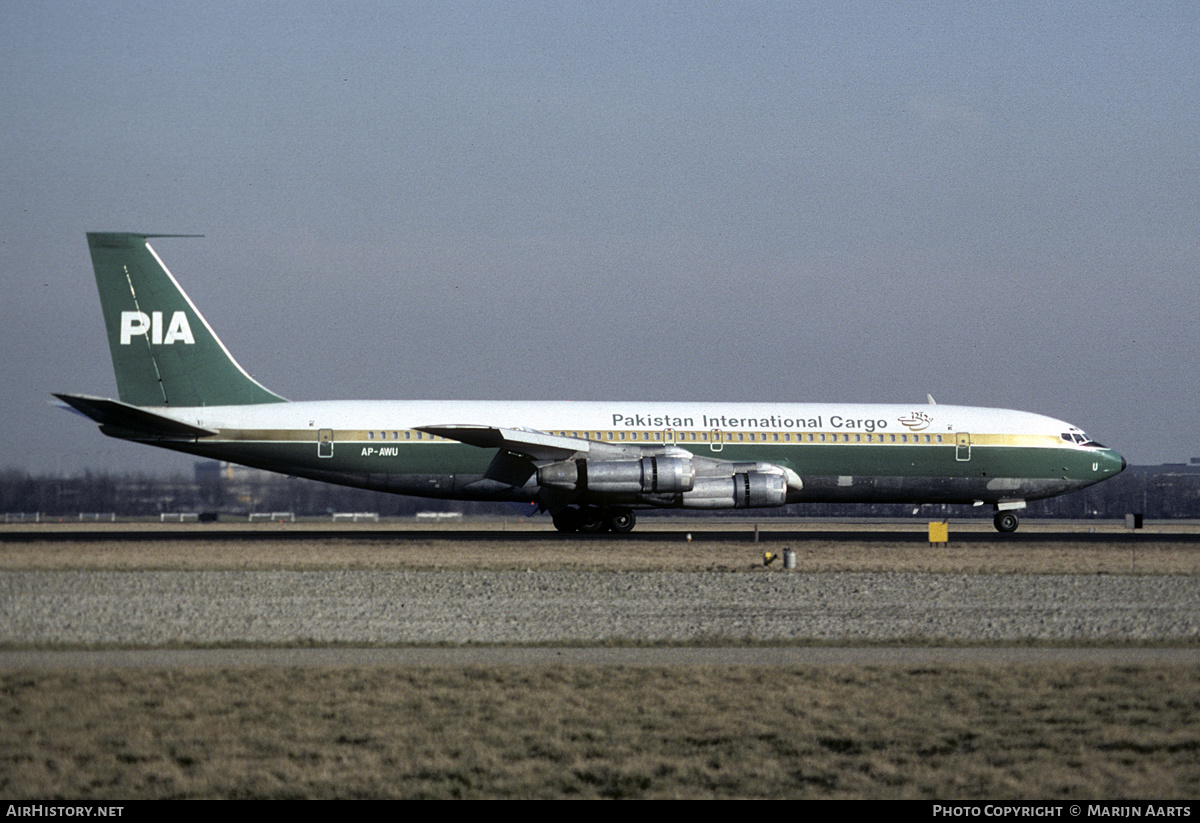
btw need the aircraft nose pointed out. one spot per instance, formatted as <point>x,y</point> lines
<point>1114,462</point>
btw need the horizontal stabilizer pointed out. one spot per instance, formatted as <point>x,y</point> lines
<point>132,419</point>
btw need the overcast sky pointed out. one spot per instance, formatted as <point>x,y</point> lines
<point>996,203</point>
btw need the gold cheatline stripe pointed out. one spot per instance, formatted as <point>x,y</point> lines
<point>653,436</point>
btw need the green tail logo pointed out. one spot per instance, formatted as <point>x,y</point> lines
<point>164,352</point>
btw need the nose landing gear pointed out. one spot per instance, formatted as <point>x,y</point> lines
<point>1006,522</point>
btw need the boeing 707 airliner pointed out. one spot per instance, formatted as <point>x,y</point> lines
<point>592,465</point>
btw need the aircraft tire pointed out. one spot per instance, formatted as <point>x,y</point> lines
<point>1006,522</point>
<point>567,520</point>
<point>621,521</point>
<point>592,520</point>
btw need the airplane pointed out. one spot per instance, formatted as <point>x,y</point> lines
<point>592,465</point>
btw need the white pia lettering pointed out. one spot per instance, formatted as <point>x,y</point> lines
<point>139,324</point>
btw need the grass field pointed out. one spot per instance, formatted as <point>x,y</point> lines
<point>1049,732</point>
<point>1052,731</point>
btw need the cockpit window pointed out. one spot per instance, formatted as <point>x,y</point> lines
<point>1082,439</point>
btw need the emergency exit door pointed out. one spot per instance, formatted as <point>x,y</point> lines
<point>962,448</point>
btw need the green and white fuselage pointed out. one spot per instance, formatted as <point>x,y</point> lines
<point>839,452</point>
<point>589,463</point>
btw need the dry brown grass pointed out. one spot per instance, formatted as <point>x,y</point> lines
<point>947,731</point>
<point>1061,732</point>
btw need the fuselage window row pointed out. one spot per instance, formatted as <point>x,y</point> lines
<point>699,437</point>
<point>755,437</point>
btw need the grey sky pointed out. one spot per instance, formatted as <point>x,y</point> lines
<point>993,203</point>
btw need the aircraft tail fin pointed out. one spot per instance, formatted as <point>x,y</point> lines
<point>164,352</point>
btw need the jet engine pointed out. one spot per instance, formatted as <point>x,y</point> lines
<point>649,475</point>
<point>670,482</point>
<point>744,490</point>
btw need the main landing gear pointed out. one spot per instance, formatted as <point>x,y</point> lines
<point>595,519</point>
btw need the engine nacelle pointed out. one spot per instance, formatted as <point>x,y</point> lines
<point>744,490</point>
<point>649,475</point>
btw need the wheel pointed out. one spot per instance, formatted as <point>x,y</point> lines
<point>591,520</point>
<point>621,521</point>
<point>566,520</point>
<point>1006,522</point>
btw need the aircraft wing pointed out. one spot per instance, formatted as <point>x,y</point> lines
<point>534,444</point>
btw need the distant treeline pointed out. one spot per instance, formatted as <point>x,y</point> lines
<point>141,495</point>
<point>1170,491</point>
